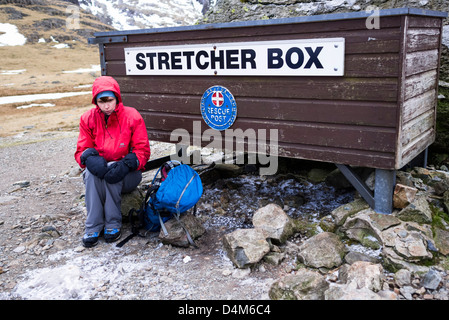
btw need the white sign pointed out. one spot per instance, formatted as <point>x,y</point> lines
<point>311,57</point>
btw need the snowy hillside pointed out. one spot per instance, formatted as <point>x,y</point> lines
<point>141,14</point>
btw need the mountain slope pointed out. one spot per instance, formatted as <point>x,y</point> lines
<point>131,14</point>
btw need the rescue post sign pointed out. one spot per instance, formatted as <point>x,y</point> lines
<point>304,57</point>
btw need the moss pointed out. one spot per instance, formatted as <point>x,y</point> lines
<point>439,218</point>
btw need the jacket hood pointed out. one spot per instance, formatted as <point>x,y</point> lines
<point>105,83</point>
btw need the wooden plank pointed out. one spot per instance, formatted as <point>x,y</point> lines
<point>266,32</point>
<point>422,39</point>
<point>381,160</point>
<point>333,88</point>
<point>421,61</point>
<point>420,83</point>
<point>343,136</point>
<point>416,127</point>
<point>418,105</point>
<point>416,147</point>
<point>375,65</point>
<point>115,52</point>
<point>324,111</point>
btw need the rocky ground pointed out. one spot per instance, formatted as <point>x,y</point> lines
<point>41,224</point>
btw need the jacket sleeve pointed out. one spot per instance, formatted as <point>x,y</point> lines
<point>140,144</point>
<point>85,139</point>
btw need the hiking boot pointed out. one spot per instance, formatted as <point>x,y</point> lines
<point>90,239</point>
<point>111,235</point>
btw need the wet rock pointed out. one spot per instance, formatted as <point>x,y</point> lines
<point>304,285</point>
<point>245,246</point>
<point>344,211</point>
<point>324,250</point>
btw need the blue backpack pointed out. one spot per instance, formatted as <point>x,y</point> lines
<point>175,189</point>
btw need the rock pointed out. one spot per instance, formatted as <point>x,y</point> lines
<point>132,200</point>
<point>403,278</point>
<point>353,256</point>
<point>274,222</point>
<point>403,196</point>
<point>322,250</point>
<point>304,285</point>
<point>246,247</point>
<point>343,212</point>
<point>177,236</point>
<point>418,211</point>
<point>362,229</point>
<point>366,275</point>
<point>350,292</point>
<point>409,244</point>
<point>431,280</point>
<point>442,241</point>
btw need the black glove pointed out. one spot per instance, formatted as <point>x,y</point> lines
<point>97,165</point>
<point>87,153</point>
<point>131,161</point>
<point>116,172</point>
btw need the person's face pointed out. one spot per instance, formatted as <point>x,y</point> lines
<point>107,104</point>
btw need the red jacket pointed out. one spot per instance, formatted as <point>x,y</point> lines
<point>124,132</point>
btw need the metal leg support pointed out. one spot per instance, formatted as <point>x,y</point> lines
<point>383,191</point>
<point>382,198</point>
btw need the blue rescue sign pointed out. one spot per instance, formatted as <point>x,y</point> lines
<point>218,108</point>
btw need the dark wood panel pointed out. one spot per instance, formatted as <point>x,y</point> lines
<point>424,22</point>
<point>331,88</point>
<point>115,52</point>
<point>324,111</point>
<point>341,27</point>
<point>367,65</point>
<point>382,160</point>
<point>342,136</point>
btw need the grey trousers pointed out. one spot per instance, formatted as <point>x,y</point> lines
<point>103,200</point>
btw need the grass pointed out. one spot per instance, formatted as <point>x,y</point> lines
<point>45,66</point>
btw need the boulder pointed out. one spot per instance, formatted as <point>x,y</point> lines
<point>403,195</point>
<point>442,241</point>
<point>418,211</point>
<point>274,223</point>
<point>245,247</point>
<point>304,285</point>
<point>344,211</point>
<point>324,250</point>
<point>176,235</point>
<point>366,275</point>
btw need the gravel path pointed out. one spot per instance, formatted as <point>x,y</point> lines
<point>41,225</point>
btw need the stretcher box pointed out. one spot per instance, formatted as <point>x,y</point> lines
<point>355,89</point>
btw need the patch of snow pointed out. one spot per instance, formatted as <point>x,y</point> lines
<point>11,36</point>
<point>36,105</point>
<point>41,40</point>
<point>61,46</point>
<point>79,278</point>
<point>9,72</point>
<point>93,68</point>
<point>41,96</point>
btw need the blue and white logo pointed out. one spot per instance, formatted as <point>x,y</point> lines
<point>218,108</point>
